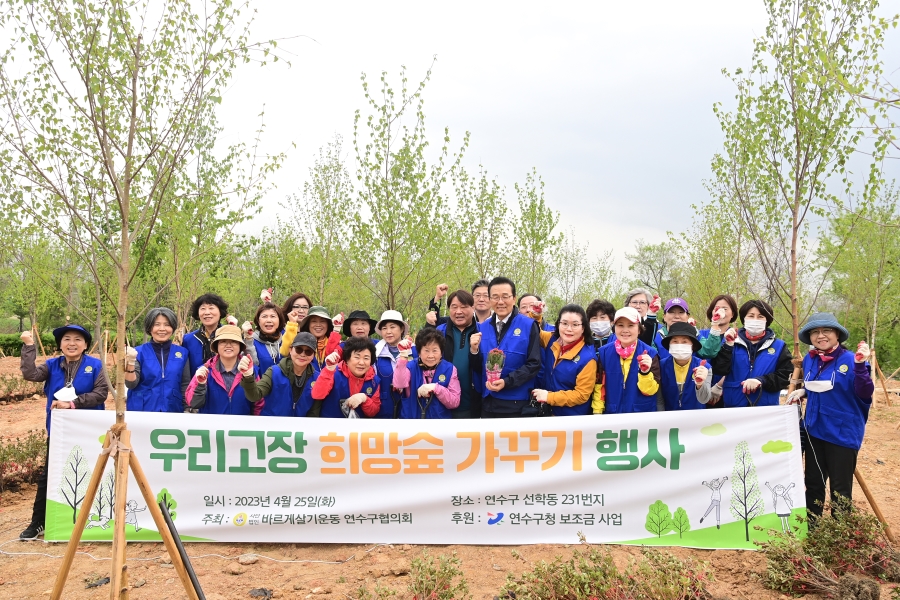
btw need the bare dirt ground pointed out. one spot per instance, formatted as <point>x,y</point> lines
<point>28,569</point>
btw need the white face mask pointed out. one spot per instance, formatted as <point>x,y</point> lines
<point>755,326</point>
<point>681,351</point>
<point>601,329</point>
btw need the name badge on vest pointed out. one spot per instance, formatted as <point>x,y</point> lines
<point>66,394</point>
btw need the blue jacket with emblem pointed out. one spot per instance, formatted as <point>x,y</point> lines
<point>159,390</point>
<point>413,407</point>
<point>515,348</point>
<point>384,366</point>
<point>331,405</point>
<point>838,415</point>
<point>768,360</point>
<point>623,395</point>
<point>562,376</point>
<point>88,372</point>
<point>668,384</point>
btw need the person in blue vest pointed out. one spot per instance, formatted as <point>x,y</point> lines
<point>358,324</point>
<point>264,342</point>
<point>73,380</point>
<point>482,304</point>
<point>457,332</point>
<point>349,383</point>
<point>157,373</point>
<point>322,326</point>
<point>286,386</point>
<point>569,365</point>
<point>392,329</point>
<point>209,310</point>
<point>600,315</point>
<point>684,377</point>
<point>756,365</point>
<point>518,336</point>
<point>838,389</point>
<point>429,386</point>
<point>721,312</point>
<point>648,306</point>
<point>627,369</point>
<point>216,386</point>
<point>531,305</point>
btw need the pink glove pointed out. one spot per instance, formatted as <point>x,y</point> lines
<point>655,304</point>
<point>862,352</point>
<point>246,366</point>
<point>700,373</point>
<point>644,362</point>
<point>730,336</point>
<point>266,295</point>
<point>231,320</point>
<point>338,320</point>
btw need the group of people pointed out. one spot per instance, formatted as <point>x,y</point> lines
<point>493,355</point>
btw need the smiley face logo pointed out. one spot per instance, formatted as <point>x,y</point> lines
<point>240,519</point>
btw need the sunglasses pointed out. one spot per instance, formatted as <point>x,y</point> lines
<point>304,351</point>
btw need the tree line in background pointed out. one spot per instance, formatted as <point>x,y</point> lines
<point>382,220</point>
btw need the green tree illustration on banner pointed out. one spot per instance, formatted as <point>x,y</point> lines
<point>166,497</point>
<point>659,519</point>
<point>75,477</point>
<point>746,501</point>
<point>680,522</point>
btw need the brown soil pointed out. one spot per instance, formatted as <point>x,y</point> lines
<point>343,568</point>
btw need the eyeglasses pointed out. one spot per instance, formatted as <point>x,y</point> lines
<point>505,297</point>
<point>638,303</point>
<point>304,351</point>
<point>568,325</point>
<point>300,307</point>
<point>480,296</point>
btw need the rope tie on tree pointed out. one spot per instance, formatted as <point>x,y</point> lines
<point>115,446</point>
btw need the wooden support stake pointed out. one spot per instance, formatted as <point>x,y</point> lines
<point>37,335</point>
<point>119,541</point>
<point>123,593</point>
<point>881,378</point>
<point>897,370</point>
<point>163,529</point>
<point>874,505</point>
<point>80,523</point>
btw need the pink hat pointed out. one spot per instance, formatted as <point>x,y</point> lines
<point>628,313</point>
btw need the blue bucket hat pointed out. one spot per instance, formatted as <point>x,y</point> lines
<point>59,332</point>
<point>819,320</point>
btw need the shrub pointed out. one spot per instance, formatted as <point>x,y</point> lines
<point>12,345</point>
<point>21,459</point>
<point>437,580</point>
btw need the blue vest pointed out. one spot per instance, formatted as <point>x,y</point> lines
<point>687,399</point>
<point>158,391</point>
<point>563,376</point>
<point>413,407</point>
<point>194,348</point>
<point>88,372</point>
<point>838,415</point>
<point>331,405</point>
<point>624,396</point>
<point>515,347</point>
<point>280,401</point>
<point>218,401</point>
<point>265,360</point>
<point>390,400</point>
<point>660,349</point>
<point>741,369</point>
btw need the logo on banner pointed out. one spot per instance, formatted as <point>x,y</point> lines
<point>240,519</point>
<point>494,519</point>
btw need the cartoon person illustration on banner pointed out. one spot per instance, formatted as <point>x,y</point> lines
<point>715,499</point>
<point>131,511</point>
<point>781,499</point>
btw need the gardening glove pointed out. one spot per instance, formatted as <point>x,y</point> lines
<point>338,320</point>
<point>862,352</point>
<point>540,395</point>
<point>796,396</point>
<point>247,330</point>
<point>266,295</point>
<point>201,375</point>
<point>356,399</point>
<point>537,309</point>
<point>474,342</point>
<point>692,321</point>
<point>27,338</point>
<point>246,366</point>
<point>431,318</point>
<point>701,373</point>
<point>332,360</point>
<point>440,291</point>
<point>730,336</point>
<point>751,385</point>
<point>644,362</point>
<point>405,348</point>
<point>654,304</point>
<point>426,389</point>
<point>231,320</point>
<point>718,316</point>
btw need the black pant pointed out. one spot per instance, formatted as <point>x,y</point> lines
<point>39,510</point>
<point>486,414</point>
<point>494,408</point>
<point>827,462</point>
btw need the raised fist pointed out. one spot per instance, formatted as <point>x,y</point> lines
<point>201,374</point>
<point>644,362</point>
<point>862,352</point>
<point>431,318</point>
<point>474,342</point>
<point>655,304</point>
<point>247,329</point>
<point>231,320</point>
<point>405,347</point>
<point>718,316</point>
<point>692,321</point>
<point>540,395</point>
<point>701,373</point>
<point>730,336</point>
<point>246,366</point>
<point>27,338</point>
<point>426,389</point>
<point>332,359</point>
<point>130,356</point>
<point>266,295</point>
<point>440,291</point>
<point>338,320</point>
<point>537,309</point>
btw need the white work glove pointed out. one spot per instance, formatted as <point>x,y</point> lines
<point>540,395</point>
<point>796,397</point>
<point>245,366</point>
<point>751,385</point>
<point>356,399</point>
<point>644,362</point>
<point>332,360</point>
<point>730,336</point>
<point>247,329</point>
<point>201,374</point>
<point>862,352</point>
<point>231,320</point>
<point>701,373</point>
<point>266,295</point>
<point>130,357</point>
<point>338,320</point>
<point>474,342</point>
<point>27,338</point>
<point>426,389</point>
<point>405,348</point>
<point>718,317</point>
<point>692,321</point>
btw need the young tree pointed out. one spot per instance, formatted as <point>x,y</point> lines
<point>746,501</point>
<point>101,119</point>
<point>534,250</point>
<point>75,477</point>
<point>789,142</point>
<point>165,497</point>
<point>659,519</point>
<point>681,522</point>
<point>657,267</point>
<point>480,227</point>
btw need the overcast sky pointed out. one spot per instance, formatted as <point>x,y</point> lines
<point>611,102</point>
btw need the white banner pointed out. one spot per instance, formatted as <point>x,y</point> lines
<point>701,478</point>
